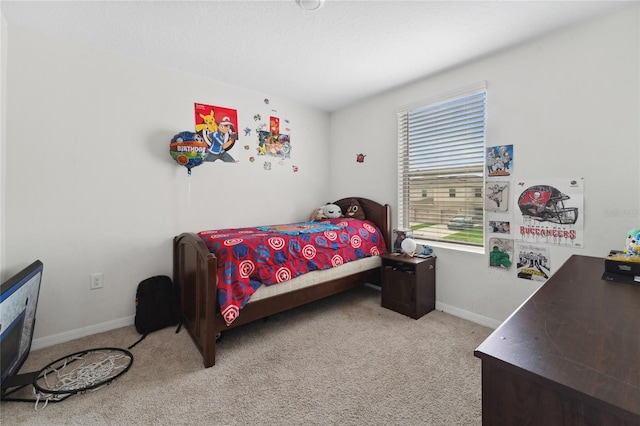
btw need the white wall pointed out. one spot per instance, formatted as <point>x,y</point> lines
<point>570,105</point>
<point>91,186</point>
<point>3,144</point>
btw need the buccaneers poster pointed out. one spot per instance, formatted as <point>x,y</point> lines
<point>549,211</point>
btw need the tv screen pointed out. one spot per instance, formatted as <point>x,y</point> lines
<point>18,303</point>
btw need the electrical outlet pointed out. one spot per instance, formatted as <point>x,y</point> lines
<point>96,281</point>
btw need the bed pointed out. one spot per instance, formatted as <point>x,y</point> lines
<point>196,279</point>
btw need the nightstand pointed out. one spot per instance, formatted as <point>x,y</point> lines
<point>408,284</point>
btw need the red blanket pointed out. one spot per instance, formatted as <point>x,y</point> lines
<point>250,257</point>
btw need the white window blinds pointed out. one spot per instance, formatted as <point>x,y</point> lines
<point>441,151</point>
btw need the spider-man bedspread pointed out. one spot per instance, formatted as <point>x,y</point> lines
<point>250,257</point>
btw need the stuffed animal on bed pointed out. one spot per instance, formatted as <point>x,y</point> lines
<point>332,211</point>
<point>355,210</point>
<point>318,214</point>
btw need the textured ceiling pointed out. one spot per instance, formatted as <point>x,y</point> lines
<point>341,53</point>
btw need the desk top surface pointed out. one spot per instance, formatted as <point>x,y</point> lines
<point>577,332</point>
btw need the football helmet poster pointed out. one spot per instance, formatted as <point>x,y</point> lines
<point>549,212</point>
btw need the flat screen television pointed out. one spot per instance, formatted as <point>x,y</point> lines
<point>18,303</point>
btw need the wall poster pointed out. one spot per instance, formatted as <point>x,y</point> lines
<point>501,252</point>
<point>217,126</point>
<point>533,262</point>
<point>499,161</point>
<point>497,196</point>
<point>549,211</point>
<point>273,139</point>
<point>499,227</point>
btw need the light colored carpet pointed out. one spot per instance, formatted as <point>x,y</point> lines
<point>340,361</point>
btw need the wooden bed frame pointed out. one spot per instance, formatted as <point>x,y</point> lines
<point>195,278</point>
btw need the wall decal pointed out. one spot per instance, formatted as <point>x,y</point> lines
<point>274,144</point>
<point>274,124</point>
<point>272,136</point>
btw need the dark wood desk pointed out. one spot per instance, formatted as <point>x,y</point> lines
<point>570,355</point>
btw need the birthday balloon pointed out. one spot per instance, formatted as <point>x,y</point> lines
<point>188,149</point>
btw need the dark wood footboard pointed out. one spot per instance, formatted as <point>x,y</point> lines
<point>195,277</point>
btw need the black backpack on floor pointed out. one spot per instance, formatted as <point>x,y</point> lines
<point>156,306</point>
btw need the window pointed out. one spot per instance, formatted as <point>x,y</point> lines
<point>441,151</point>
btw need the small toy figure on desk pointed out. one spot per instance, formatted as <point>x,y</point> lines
<point>624,265</point>
<point>631,252</point>
<point>633,243</point>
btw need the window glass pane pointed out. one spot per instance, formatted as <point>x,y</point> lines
<point>441,169</point>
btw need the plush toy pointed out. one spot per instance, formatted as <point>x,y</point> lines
<point>318,214</point>
<point>355,210</point>
<point>633,243</point>
<point>332,211</point>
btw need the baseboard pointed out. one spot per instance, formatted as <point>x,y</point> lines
<point>470,316</point>
<point>373,286</point>
<point>461,313</point>
<point>45,342</point>
<point>78,333</point>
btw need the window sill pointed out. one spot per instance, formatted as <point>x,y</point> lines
<point>449,246</point>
